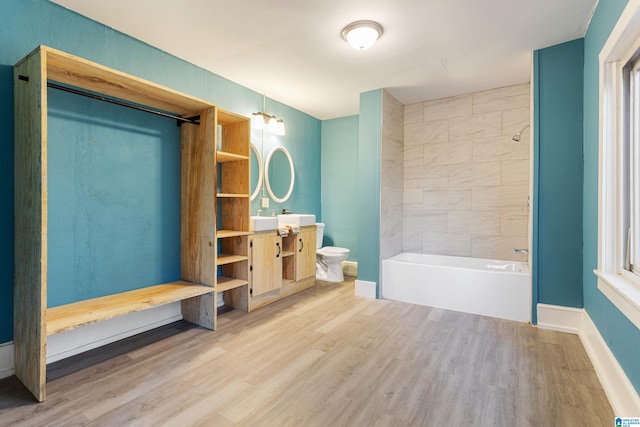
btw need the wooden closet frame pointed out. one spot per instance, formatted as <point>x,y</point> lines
<point>196,289</point>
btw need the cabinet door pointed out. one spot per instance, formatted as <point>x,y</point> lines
<point>266,263</point>
<point>306,253</point>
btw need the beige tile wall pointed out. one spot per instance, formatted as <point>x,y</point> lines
<point>391,176</point>
<point>465,181</point>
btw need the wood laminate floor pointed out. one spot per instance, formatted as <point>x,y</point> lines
<point>325,357</point>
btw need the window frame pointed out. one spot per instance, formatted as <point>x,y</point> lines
<point>633,166</point>
<point>620,286</point>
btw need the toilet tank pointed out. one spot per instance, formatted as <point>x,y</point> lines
<point>319,234</point>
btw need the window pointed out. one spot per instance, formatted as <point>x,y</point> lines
<point>631,170</point>
<point>619,174</point>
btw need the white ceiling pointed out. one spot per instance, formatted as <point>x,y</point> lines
<point>291,50</point>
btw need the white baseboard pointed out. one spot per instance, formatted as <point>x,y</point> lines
<point>621,394</point>
<point>350,268</point>
<point>75,341</point>
<point>6,360</point>
<point>366,289</point>
<point>559,318</point>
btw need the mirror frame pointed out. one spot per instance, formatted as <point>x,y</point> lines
<point>266,174</point>
<point>260,172</point>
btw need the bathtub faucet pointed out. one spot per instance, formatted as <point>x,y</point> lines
<point>520,251</point>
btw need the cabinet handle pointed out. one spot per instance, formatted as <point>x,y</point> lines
<point>301,246</point>
<point>279,250</point>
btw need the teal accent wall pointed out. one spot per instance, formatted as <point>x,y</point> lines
<point>558,174</point>
<point>622,337</point>
<point>369,149</point>
<point>6,195</point>
<point>114,199</point>
<point>25,24</point>
<point>340,183</point>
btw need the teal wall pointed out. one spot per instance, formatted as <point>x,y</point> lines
<point>340,183</point>
<point>622,337</point>
<point>303,141</point>
<point>24,24</point>
<point>557,254</point>
<point>106,210</point>
<point>369,149</point>
<point>559,177</point>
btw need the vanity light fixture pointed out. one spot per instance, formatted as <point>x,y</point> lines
<point>362,34</point>
<point>266,121</point>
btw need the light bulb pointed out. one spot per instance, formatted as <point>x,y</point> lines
<point>362,38</point>
<point>278,129</point>
<point>257,121</point>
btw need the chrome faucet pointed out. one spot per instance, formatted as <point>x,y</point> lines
<point>520,251</point>
<point>285,211</point>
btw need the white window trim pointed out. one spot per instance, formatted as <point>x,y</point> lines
<point>620,287</point>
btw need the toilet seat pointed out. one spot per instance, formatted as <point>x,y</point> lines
<point>332,250</point>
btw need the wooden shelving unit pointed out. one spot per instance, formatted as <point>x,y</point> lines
<point>224,259</point>
<point>196,289</point>
<point>232,199</point>
<point>223,234</point>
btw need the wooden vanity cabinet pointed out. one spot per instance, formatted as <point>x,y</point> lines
<point>305,253</point>
<point>266,262</point>
<point>281,266</point>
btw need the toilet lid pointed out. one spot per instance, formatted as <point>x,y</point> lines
<point>333,250</point>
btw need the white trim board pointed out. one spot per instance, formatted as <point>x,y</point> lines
<point>560,318</point>
<point>69,343</point>
<point>76,341</point>
<point>621,394</point>
<point>365,289</point>
<point>6,360</point>
<point>350,268</point>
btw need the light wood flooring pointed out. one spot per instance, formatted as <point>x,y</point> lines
<point>325,357</point>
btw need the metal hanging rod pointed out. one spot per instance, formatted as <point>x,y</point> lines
<point>193,120</point>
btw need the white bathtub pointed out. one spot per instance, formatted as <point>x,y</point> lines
<point>473,285</point>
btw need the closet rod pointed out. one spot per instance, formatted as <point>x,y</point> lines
<point>193,120</point>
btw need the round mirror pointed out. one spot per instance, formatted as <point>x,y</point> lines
<point>279,174</point>
<point>256,171</point>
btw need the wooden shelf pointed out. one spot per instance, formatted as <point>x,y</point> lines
<point>72,70</point>
<point>199,177</point>
<point>229,259</point>
<point>232,195</point>
<point>70,316</point>
<point>286,254</point>
<point>222,234</point>
<point>223,157</point>
<point>225,283</point>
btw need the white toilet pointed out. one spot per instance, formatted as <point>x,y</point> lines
<point>328,259</point>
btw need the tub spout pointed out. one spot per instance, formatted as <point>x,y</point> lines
<point>520,251</point>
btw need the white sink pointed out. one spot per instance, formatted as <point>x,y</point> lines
<point>297,219</point>
<point>264,223</point>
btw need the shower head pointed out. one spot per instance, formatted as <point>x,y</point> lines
<point>518,135</point>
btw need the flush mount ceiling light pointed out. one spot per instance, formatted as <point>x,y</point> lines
<point>362,34</point>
